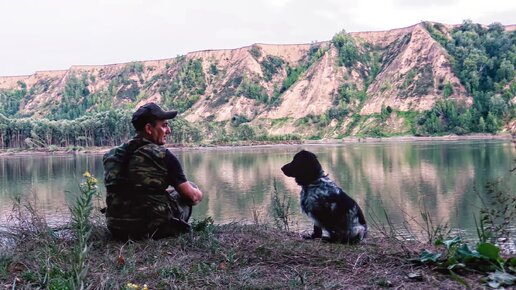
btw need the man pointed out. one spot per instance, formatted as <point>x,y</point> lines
<point>137,178</point>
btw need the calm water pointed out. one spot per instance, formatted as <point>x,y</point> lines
<point>403,178</point>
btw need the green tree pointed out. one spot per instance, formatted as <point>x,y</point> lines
<point>348,51</point>
<point>491,123</point>
<point>448,90</point>
<point>481,125</point>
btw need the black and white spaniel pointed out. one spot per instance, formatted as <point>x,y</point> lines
<point>329,207</point>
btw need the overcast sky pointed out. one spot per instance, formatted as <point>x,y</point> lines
<point>55,34</point>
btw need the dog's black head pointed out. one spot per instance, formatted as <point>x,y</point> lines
<point>305,168</point>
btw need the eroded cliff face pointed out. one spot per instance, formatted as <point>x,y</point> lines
<point>273,87</point>
<point>415,68</point>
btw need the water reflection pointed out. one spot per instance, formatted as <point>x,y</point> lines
<point>402,178</point>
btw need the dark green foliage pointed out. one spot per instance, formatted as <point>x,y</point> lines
<point>447,90</point>
<point>337,112</point>
<point>10,100</point>
<point>484,60</point>
<point>409,78</point>
<point>448,116</point>
<point>255,51</point>
<point>185,103</point>
<point>229,89</point>
<point>375,132</point>
<point>213,69</point>
<point>238,119</point>
<point>425,81</point>
<point>443,117</point>
<point>270,66</point>
<point>183,132</point>
<point>348,92</point>
<point>183,90</point>
<point>129,91</point>
<point>73,103</point>
<point>293,73</point>
<point>253,91</point>
<point>436,30</point>
<point>123,86</point>
<point>40,87</point>
<point>385,112</point>
<point>315,52</point>
<point>105,128</point>
<point>458,256</point>
<point>244,132</point>
<point>418,82</point>
<point>75,88</point>
<point>348,51</point>
<point>372,59</point>
<point>191,76</point>
<point>492,123</point>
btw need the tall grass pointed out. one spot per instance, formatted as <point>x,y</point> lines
<point>81,225</point>
<point>498,212</point>
<point>281,208</point>
<point>50,257</point>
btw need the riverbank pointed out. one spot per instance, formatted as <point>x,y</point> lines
<point>251,144</point>
<point>231,256</point>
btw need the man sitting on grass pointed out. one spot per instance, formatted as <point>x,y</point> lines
<point>137,176</point>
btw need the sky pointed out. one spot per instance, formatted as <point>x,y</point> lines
<point>40,35</point>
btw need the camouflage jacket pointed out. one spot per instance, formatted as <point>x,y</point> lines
<point>135,176</point>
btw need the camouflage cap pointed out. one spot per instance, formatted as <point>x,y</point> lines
<point>148,113</point>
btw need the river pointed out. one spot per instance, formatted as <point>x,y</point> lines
<point>403,179</point>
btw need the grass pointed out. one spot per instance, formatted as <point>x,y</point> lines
<point>281,208</point>
<point>223,257</point>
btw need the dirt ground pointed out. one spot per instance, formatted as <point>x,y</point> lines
<point>232,256</point>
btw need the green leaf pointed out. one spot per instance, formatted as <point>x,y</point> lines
<point>452,242</point>
<point>449,243</point>
<point>489,250</point>
<point>428,256</point>
<point>465,254</point>
<point>511,262</point>
<point>456,266</point>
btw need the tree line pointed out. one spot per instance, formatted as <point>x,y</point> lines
<point>108,128</point>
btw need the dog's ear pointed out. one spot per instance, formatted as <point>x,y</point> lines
<point>287,169</point>
<point>294,168</point>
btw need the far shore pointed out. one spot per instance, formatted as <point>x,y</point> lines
<point>254,144</point>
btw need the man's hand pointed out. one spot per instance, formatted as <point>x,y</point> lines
<point>190,192</point>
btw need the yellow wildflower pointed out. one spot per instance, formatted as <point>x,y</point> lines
<point>133,286</point>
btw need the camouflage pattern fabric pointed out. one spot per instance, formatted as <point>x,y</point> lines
<point>138,205</point>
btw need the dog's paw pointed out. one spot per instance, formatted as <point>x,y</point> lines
<point>307,236</point>
<point>311,236</point>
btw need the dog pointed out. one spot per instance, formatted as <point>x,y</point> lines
<point>327,205</point>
